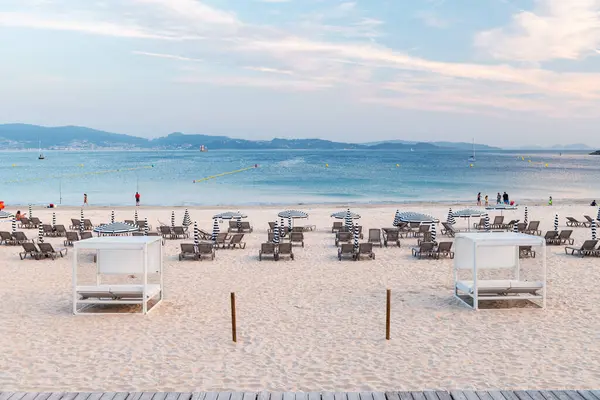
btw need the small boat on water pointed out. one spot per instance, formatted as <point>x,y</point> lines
<point>472,157</point>
<point>41,156</point>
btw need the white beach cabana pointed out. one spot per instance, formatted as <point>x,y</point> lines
<point>139,255</point>
<point>496,250</point>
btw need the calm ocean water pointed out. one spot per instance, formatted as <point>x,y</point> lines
<point>290,177</point>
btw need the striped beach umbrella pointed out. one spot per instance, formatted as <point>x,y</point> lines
<point>348,219</point>
<point>81,224</point>
<point>433,233</point>
<point>215,231</point>
<point>172,219</point>
<point>598,216</point>
<point>30,211</point>
<point>14,225</point>
<point>526,219</point>
<point>53,219</point>
<point>451,220</point>
<point>276,233</point>
<point>556,222</point>
<point>290,223</point>
<point>112,217</point>
<point>356,237</point>
<point>146,228</point>
<point>238,221</point>
<point>40,234</point>
<point>516,227</point>
<point>187,221</point>
<point>115,228</point>
<point>397,218</point>
<point>593,230</point>
<point>281,227</point>
<point>135,216</point>
<point>196,236</point>
<point>486,224</point>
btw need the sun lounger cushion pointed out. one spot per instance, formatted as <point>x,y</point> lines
<point>118,291</point>
<point>499,286</point>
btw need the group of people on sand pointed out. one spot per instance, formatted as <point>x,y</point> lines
<point>500,199</point>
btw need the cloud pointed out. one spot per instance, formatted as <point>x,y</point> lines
<point>430,19</point>
<point>556,29</point>
<point>270,70</point>
<point>169,56</point>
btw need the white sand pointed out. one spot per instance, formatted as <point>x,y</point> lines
<point>309,324</point>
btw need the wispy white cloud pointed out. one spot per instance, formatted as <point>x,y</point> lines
<point>168,56</point>
<point>269,70</point>
<point>431,19</point>
<point>556,29</point>
<point>273,1</point>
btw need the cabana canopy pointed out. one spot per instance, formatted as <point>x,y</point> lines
<point>496,250</point>
<point>139,255</point>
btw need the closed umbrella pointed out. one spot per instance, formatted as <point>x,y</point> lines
<point>486,225</point>
<point>289,224</point>
<point>40,234</point>
<point>396,218</point>
<point>135,216</point>
<point>30,211</point>
<point>172,219</point>
<point>196,236</point>
<point>146,229</point>
<point>238,223</point>
<point>53,219</point>
<point>598,216</point>
<point>187,221</point>
<point>81,224</point>
<point>281,227</point>
<point>276,233</point>
<point>215,231</point>
<point>348,219</point>
<point>112,217</point>
<point>14,225</point>
<point>451,220</point>
<point>526,219</point>
<point>593,230</point>
<point>556,222</point>
<point>433,233</point>
<point>356,237</point>
<point>516,227</point>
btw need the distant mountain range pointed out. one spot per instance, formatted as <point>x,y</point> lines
<point>572,147</point>
<point>24,136</point>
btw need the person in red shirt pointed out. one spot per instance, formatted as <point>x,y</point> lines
<point>137,198</point>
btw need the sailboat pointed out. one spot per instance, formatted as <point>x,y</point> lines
<point>41,156</point>
<point>472,158</point>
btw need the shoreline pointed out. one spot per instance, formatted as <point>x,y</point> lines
<point>409,203</point>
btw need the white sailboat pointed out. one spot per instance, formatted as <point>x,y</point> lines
<point>472,158</point>
<point>41,156</point>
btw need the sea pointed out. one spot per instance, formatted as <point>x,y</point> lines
<point>244,177</point>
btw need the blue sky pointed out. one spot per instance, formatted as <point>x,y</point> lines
<point>505,72</point>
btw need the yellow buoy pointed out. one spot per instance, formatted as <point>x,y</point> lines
<point>522,158</point>
<point>470,165</point>
<point>14,165</point>
<point>397,165</point>
<point>546,165</point>
<point>81,165</point>
<point>529,160</point>
<point>326,165</point>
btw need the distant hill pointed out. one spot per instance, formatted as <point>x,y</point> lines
<point>449,145</point>
<point>576,146</point>
<point>595,153</point>
<point>23,136</point>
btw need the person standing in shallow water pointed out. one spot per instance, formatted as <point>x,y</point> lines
<point>498,198</point>
<point>137,198</point>
<point>479,198</point>
<point>85,199</point>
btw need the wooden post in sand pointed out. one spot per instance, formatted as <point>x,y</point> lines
<point>233,324</point>
<point>387,314</point>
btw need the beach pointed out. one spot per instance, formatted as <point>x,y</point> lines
<point>310,324</point>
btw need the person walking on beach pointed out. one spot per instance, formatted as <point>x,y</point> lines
<point>479,198</point>
<point>498,198</point>
<point>486,201</point>
<point>505,198</point>
<point>550,201</point>
<point>137,199</point>
<point>85,202</point>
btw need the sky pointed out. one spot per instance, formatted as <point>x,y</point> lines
<point>504,72</point>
